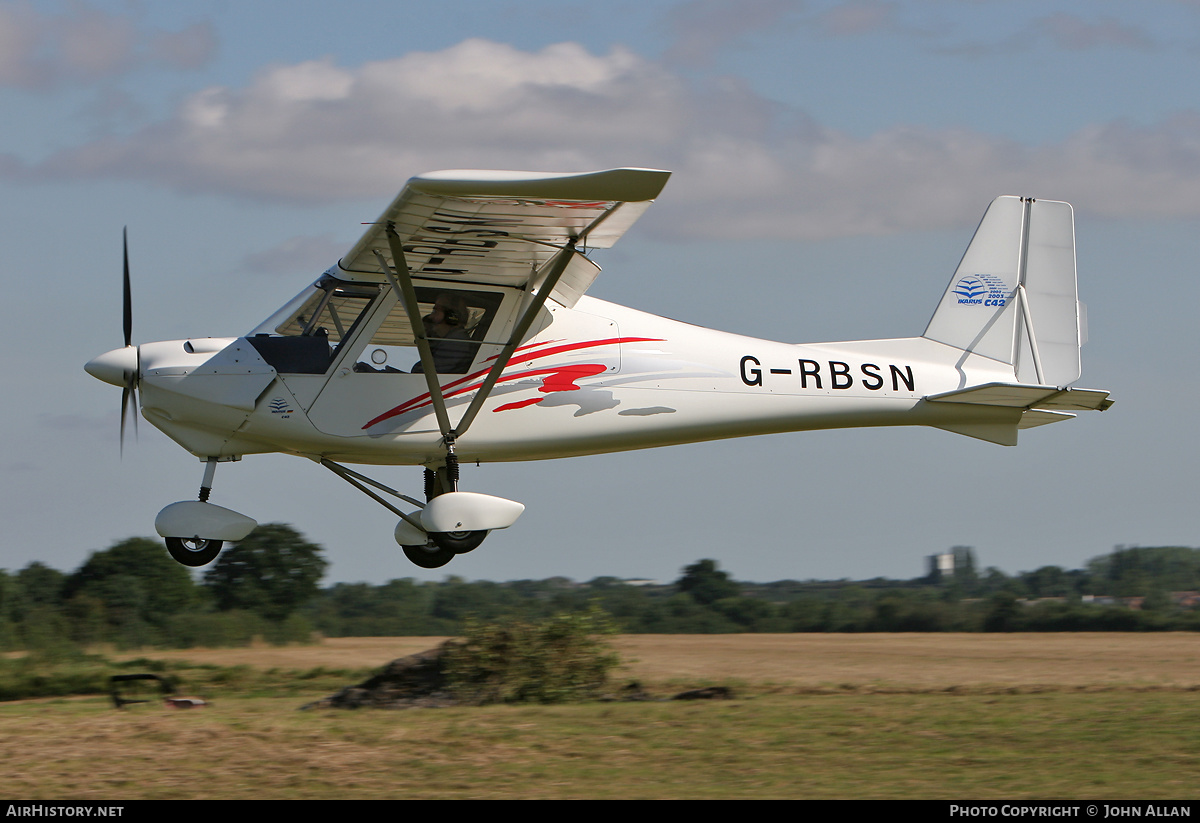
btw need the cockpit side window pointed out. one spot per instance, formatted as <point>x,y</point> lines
<point>455,321</point>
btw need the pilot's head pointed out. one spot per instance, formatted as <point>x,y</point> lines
<point>448,310</point>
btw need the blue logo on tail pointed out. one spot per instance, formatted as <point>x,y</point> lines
<point>981,290</point>
<point>969,288</point>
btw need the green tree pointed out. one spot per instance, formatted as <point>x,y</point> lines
<point>1134,571</point>
<point>9,610</point>
<point>1003,613</point>
<point>706,584</point>
<point>134,578</point>
<point>752,614</point>
<point>1048,581</point>
<point>273,572</point>
<point>399,607</point>
<point>456,599</point>
<point>39,585</point>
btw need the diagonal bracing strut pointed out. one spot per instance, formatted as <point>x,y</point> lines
<point>357,480</point>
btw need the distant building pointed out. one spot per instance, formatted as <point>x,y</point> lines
<point>959,561</point>
<point>941,565</point>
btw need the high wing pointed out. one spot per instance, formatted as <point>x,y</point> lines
<point>517,230</point>
<point>501,227</point>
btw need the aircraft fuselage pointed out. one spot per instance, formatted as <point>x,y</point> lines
<point>594,379</point>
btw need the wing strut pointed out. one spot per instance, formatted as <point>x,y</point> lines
<point>558,264</point>
<point>357,480</point>
<point>400,280</point>
<point>408,296</point>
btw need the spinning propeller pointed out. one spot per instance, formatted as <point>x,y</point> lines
<point>122,367</point>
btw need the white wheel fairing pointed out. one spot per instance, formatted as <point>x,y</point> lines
<point>469,512</point>
<point>198,519</point>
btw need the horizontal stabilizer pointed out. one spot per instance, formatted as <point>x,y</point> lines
<point>1039,417</point>
<point>1002,431</point>
<point>1025,396</point>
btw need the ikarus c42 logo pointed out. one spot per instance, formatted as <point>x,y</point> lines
<point>981,290</point>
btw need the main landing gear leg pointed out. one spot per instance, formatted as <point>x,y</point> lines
<point>448,523</point>
<point>444,480</point>
<point>410,533</point>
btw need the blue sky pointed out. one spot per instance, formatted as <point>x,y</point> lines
<point>831,160</point>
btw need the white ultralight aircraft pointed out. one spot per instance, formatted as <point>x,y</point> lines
<point>457,329</point>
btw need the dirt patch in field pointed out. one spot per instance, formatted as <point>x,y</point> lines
<point>416,681</point>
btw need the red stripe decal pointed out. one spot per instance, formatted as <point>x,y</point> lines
<point>562,378</point>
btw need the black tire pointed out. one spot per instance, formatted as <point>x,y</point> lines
<point>428,557</point>
<point>458,542</point>
<point>193,551</point>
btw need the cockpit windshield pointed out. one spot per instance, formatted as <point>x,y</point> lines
<point>330,312</point>
<point>302,338</point>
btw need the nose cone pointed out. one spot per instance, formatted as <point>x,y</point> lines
<point>114,366</point>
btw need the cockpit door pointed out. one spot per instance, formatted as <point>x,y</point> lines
<point>381,369</point>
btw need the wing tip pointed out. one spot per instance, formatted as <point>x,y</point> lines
<point>623,184</point>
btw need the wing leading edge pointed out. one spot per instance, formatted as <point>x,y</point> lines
<point>501,228</point>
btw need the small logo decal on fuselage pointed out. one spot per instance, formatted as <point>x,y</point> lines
<point>280,405</point>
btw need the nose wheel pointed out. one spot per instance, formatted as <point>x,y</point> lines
<point>199,517</point>
<point>193,551</point>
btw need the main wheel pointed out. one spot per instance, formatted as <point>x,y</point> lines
<point>428,557</point>
<point>458,542</point>
<point>193,551</point>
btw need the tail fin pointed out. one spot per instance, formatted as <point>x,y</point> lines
<point>1014,296</point>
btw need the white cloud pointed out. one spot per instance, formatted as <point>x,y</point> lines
<point>316,131</point>
<point>83,45</point>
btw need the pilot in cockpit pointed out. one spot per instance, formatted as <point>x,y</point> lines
<point>449,342</point>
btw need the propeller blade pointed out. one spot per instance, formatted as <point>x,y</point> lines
<point>128,291</point>
<point>130,390</point>
<point>131,377</point>
<point>124,405</point>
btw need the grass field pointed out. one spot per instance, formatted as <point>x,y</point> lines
<point>1091,716</point>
